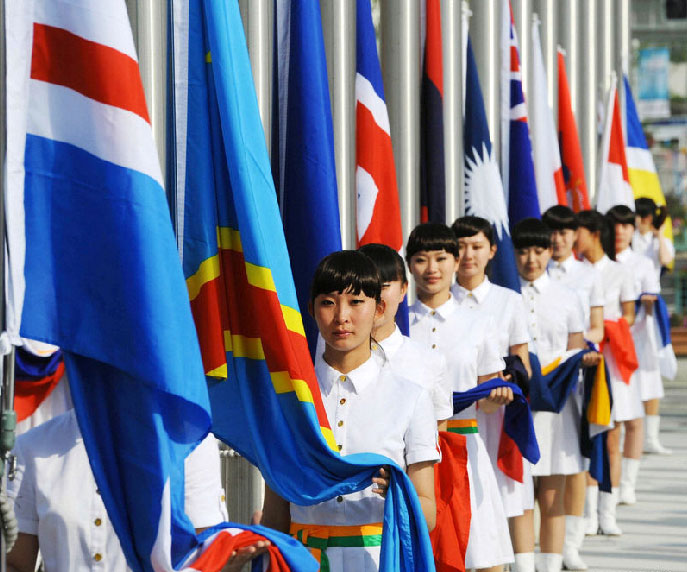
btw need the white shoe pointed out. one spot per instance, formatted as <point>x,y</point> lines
<point>548,562</point>
<point>628,481</point>
<point>607,505</point>
<point>574,535</point>
<point>524,562</point>
<point>591,516</point>
<point>652,444</point>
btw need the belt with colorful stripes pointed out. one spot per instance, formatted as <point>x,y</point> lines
<point>462,426</point>
<point>319,537</point>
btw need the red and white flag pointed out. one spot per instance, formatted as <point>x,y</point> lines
<point>547,158</point>
<point>614,182</point>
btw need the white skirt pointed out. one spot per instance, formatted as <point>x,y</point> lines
<point>517,497</point>
<point>646,345</point>
<point>363,558</point>
<point>627,398</point>
<point>558,435</point>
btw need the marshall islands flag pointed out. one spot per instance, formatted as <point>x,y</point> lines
<point>95,271</point>
<point>264,395</point>
<point>483,188</point>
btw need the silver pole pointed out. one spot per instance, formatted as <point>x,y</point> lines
<point>569,24</point>
<point>606,26</point>
<point>452,24</point>
<point>149,24</point>
<point>401,62</point>
<point>338,26</point>
<point>485,32</point>
<point>522,14</point>
<point>257,16</point>
<point>622,48</point>
<point>589,94</point>
<point>548,16</point>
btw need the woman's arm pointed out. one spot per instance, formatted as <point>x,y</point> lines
<point>628,309</point>
<point>596,325</point>
<point>498,396</point>
<point>276,512</point>
<point>24,553</point>
<point>422,477</point>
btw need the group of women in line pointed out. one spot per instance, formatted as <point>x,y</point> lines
<point>582,277</point>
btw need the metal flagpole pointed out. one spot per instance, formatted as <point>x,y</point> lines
<point>7,417</point>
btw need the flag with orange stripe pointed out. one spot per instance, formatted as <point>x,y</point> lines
<point>264,394</point>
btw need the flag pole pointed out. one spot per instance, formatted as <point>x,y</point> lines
<point>7,417</point>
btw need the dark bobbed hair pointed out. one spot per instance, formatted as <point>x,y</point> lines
<point>467,226</point>
<point>346,271</point>
<point>560,217</point>
<point>431,236</point>
<point>621,214</point>
<point>389,263</point>
<point>594,221</point>
<point>645,207</point>
<point>531,232</point>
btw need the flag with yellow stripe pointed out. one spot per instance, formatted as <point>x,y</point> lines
<point>264,394</point>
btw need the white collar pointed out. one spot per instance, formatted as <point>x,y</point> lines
<point>539,285</point>
<point>565,266</point>
<point>599,264</point>
<point>393,343</point>
<point>479,293</point>
<point>624,255</point>
<point>360,378</point>
<point>443,311</point>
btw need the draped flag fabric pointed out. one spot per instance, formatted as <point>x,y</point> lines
<point>35,377</point>
<point>577,197</point>
<point>551,385</point>
<point>483,187</point>
<point>102,273</point>
<point>378,212</point>
<point>303,146</point>
<point>432,174</point>
<point>614,181</point>
<point>618,339</point>
<point>264,394</point>
<point>452,493</point>
<point>517,419</point>
<point>517,163</point>
<point>641,169</point>
<point>547,158</point>
<point>595,422</point>
<point>661,338</point>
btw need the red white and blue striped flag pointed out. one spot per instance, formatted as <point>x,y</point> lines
<point>432,174</point>
<point>96,265</point>
<point>516,149</point>
<point>378,213</point>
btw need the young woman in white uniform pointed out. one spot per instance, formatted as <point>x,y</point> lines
<point>649,240</point>
<point>555,323</point>
<point>631,408</point>
<point>359,391</point>
<point>586,282</point>
<point>474,290</point>
<point>595,242</point>
<point>407,357</point>
<point>464,338</point>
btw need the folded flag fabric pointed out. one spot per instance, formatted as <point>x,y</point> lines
<point>35,377</point>
<point>618,339</point>
<point>517,420</point>
<point>264,394</point>
<point>595,422</point>
<point>660,336</point>
<point>452,493</point>
<point>550,386</point>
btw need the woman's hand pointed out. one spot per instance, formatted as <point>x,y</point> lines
<point>382,482</point>
<point>591,359</point>
<point>239,558</point>
<point>499,396</point>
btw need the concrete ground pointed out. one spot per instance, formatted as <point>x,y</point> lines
<point>655,529</point>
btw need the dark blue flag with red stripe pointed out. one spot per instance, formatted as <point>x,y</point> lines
<point>432,176</point>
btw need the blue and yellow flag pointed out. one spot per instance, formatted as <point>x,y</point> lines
<point>264,395</point>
